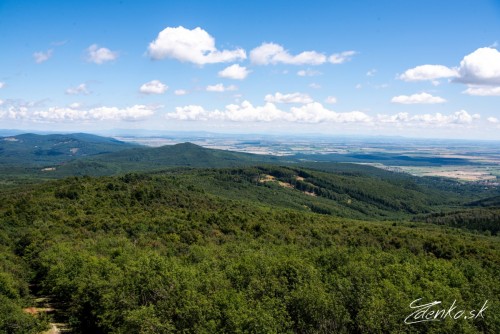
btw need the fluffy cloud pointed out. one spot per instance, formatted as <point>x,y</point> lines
<point>428,72</point>
<point>493,120</point>
<point>75,113</point>
<point>194,46</point>
<point>219,88</point>
<point>98,55</point>
<point>41,56</point>
<point>245,112</point>
<point>2,85</point>
<point>308,73</point>
<point>421,98</point>
<point>371,72</point>
<point>80,89</point>
<point>1,102</point>
<point>316,113</point>
<point>134,113</point>
<point>75,105</point>
<point>235,71</point>
<point>14,112</point>
<point>288,98</point>
<point>180,92</point>
<point>482,90</point>
<point>153,87</point>
<point>340,58</point>
<point>331,100</point>
<point>438,119</point>
<point>481,67</point>
<point>271,53</point>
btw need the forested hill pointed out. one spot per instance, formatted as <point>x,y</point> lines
<point>238,250</point>
<point>185,154</point>
<point>144,159</point>
<point>46,150</point>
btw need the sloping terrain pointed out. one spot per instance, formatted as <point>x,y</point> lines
<point>210,251</point>
<point>186,239</point>
<point>45,150</point>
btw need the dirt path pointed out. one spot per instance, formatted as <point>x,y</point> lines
<point>44,305</point>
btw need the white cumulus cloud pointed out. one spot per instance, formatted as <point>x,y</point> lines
<point>98,55</point>
<point>55,114</point>
<point>194,46</point>
<point>428,72</point>
<point>234,71</point>
<point>420,98</point>
<point>41,56</point>
<point>493,120</point>
<point>14,112</point>
<point>75,105</point>
<point>437,119</point>
<point>481,67</point>
<point>80,89</point>
<point>340,58</point>
<point>180,92</point>
<point>308,73</point>
<point>220,88</point>
<point>271,53</point>
<point>316,113</point>
<point>288,98</point>
<point>2,85</point>
<point>245,112</point>
<point>482,90</point>
<point>153,87</point>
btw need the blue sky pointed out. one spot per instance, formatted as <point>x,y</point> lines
<point>411,68</point>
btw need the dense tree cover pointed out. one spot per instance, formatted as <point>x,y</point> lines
<point>464,190</point>
<point>219,251</point>
<point>484,220</point>
<point>39,150</point>
<point>355,194</point>
<point>14,294</point>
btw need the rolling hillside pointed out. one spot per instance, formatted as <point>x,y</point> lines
<point>45,150</point>
<point>187,239</point>
<point>237,250</point>
<point>145,159</point>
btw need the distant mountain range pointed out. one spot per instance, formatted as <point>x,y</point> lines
<point>33,157</point>
<point>42,150</point>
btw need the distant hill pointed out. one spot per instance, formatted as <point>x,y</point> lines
<point>487,202</point>
<point>359,195</point>
<point>42,150</point>
<point>157,158</point>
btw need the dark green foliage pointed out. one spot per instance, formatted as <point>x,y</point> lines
<point>234,251</point>
<point>14,276</point>
<point>339,193</point>
<point>484,220</point>
<point>152,159</point>
<point>41,150</point>
<point>487,202</point>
